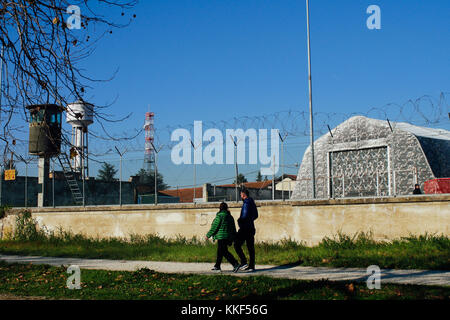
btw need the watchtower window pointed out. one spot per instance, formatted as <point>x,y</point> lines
<point>54,118</point>
<point>37,116</point>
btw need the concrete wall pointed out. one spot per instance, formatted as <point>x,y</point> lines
<point>309,221</point>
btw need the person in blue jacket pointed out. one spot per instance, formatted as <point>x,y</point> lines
<point>246,233</point>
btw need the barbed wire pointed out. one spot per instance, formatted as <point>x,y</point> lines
<point>422,111</point>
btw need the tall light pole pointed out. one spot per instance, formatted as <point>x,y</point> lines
<point>156,172</point>
<point>313,174</point>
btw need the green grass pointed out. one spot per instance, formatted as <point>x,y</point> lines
<point>50,282</point>
<point>360,250</point>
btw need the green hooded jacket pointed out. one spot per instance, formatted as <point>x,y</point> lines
<point>223,227</point>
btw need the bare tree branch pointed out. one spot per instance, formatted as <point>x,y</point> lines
<point>42,54</point>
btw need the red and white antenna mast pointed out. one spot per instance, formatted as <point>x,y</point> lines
<point>149,159</point>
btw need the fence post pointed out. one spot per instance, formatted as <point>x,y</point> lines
<point>156,176</point>
<point>120,174</point>
<point>120,182</point>
<point>290,184</point>
<point>53,182</point>
<point>378,185</point>
<point>394,183</point>
<point>193,199</point>
<point>389,171</point>
<point>416,176</point>
<point>330,187</point>
<point>120,177</point>
<point>1,180</point>
<point>273,179</point>
<point>26,184</point>
<point>343,186</point>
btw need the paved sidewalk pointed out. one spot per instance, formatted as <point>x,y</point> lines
<point>419,277</point>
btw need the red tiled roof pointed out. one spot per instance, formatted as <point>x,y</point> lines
<point>252,185</point>
<point>185,195</point>
<point>293,177</point>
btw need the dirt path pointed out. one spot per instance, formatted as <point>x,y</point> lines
<point>418,277</point>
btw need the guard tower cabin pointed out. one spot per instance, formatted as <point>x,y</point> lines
<point>45,130</point>
<point>45,142</point>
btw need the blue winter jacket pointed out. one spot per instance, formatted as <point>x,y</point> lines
<point>249,213</point>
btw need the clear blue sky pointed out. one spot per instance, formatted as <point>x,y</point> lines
<point>214,60</point>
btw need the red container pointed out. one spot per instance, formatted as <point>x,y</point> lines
<point>441,185</point>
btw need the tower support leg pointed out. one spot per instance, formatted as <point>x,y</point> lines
<point>43,182</point>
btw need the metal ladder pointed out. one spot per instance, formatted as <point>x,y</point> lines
<point>70,178</point>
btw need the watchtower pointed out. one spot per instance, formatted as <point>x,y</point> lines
<point>45,142</point>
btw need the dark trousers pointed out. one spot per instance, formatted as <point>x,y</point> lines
<point>222,251</point>
<point>247,236</point>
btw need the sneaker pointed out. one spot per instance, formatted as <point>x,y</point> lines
<point>243,266</point>
<point>249,269</point>
<point>236,268</point>
<point>216,269</point>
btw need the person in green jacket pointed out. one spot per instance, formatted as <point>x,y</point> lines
<point>223,229</point>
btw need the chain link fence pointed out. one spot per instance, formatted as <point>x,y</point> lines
<point>133,189</point>
<point>374,184</point>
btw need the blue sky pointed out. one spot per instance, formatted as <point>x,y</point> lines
<point>216,60</point>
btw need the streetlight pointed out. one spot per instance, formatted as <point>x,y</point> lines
<point>313,174</point>
<point>156,171</point>
<point>120,179</point>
